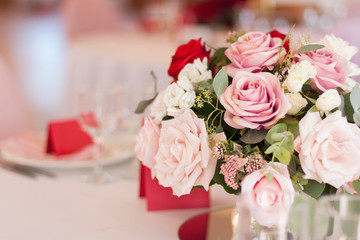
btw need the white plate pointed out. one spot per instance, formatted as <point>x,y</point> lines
<point>28,149</point>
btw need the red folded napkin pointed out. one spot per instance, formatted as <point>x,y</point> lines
<point>162,198</point>
<point>66,136</point>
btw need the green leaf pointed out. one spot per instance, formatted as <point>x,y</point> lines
<point>273,148</point>
<point>292,165</point>
<point>221,81</point>
<point>356,117</point>
<point>312,100</point>
<point>355,102</point>
<point>313,109</point>
<point>143,105</point>
<point>355,98</point>
<point>301,180</point>
<point>310,48</point>
<point>254,136</point>
<point>356,185</point>
<point>314,188</point>
<point>208,84</point>
<point>278,128</point>
<point>348,110</point>
<point>292,125</point>
<point>283,155</point>
<point>342,105</point>
<point>219,129</point>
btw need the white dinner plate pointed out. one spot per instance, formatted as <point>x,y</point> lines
<point>29,149</point>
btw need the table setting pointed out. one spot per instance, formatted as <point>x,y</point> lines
<point>254,137</point>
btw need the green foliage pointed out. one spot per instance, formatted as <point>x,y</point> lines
<point>253,136</point>
<point>310,48</point>
<point>208,84</point>
<point>234,36</point>
<point>282,143</point>
<point>221,82</point>
<point>140,108</point>
<point>355,102</point>
<point>292,125</point>
<point>346,107</point>
<point>144,104</point>
<point>219,59</point>
<point>314,188</point>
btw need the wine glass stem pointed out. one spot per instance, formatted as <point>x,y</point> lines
<point>99,141</point>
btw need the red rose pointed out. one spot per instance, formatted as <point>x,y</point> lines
<point>187,53</point>
<point>276,34</point>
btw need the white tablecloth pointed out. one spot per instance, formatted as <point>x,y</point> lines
<point>67,208</point>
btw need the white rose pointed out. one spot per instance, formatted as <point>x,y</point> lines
<point>339,46</point>
<point>158,108</point>
<point>179,95</point>
<point>294,82</point>
<point>196,71</point>
<point>297,102</point>
<point>329,100</point>
<point>298,74</point>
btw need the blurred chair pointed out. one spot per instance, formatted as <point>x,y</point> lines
<point>88,16</point>
<point>13,111</point>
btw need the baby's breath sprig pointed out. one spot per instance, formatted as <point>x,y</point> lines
<point>214,118</point>
<point>205,96</point>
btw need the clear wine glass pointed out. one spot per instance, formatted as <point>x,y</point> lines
<point>99,113</point>
<point>344,209</point>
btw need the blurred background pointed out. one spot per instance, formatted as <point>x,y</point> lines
<point>48,48</point>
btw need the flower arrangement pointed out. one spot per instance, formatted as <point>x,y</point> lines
<point>265,110</point>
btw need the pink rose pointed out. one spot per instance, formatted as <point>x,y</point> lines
<point>329,149</point>
<point>184,159</point>
<point>332,69</point>
<point>147,143</point>
<point>254,100</point>
<point>269,202</point>
<point>252,52</point>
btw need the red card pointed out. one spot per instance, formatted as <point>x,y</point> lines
<point>66,137</point>
<point>162,198</point>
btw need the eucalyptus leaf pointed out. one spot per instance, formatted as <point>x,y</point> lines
<point>273,148</point>
<point>278,128</point>
<point>221,82</point>
<point>254,136</point>
<point>292,125</point>
<point>292,165</point>
<point>143,105</point>
<point>355,98</point>
<point>310,48</point>
<point>348,108</point>
<point>314,188</point>
<point>283,155</point>
<point>356,117</point>
<point>342,105</point>
<point>355,102</point>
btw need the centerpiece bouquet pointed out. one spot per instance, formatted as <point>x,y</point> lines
<point>266,110</point>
